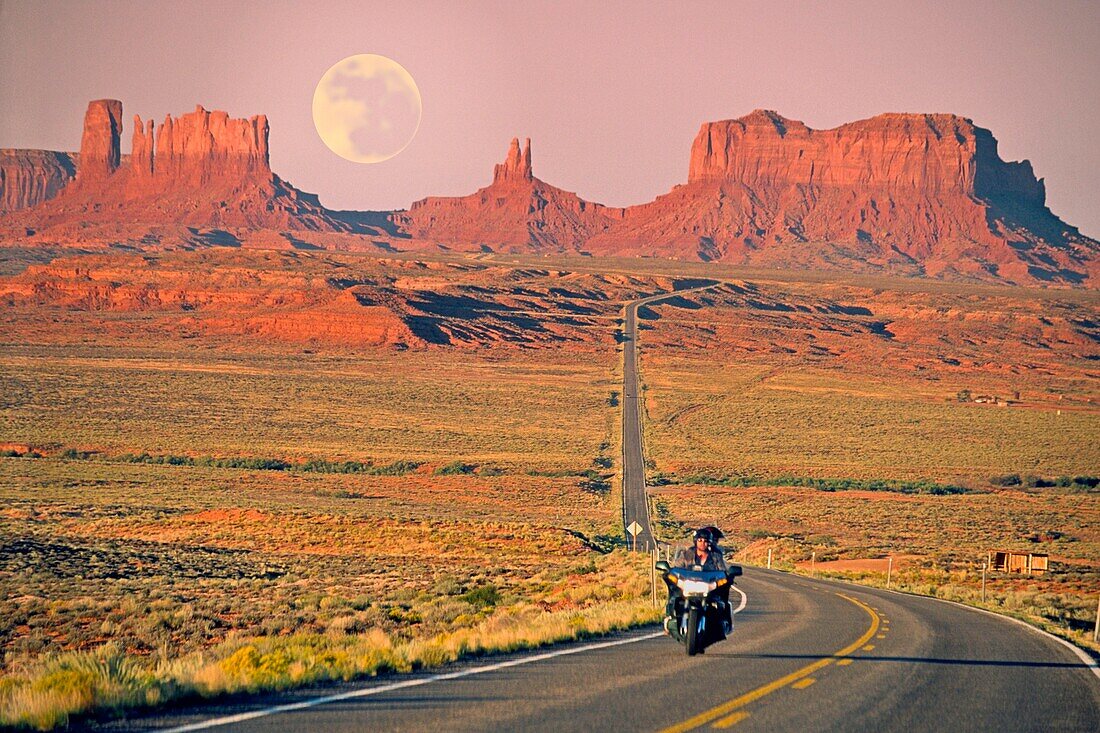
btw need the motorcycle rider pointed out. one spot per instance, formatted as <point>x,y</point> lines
<point>704,554</point>
<point>704,551</point>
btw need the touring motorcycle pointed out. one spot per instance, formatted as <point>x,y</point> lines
<point>701,615</point>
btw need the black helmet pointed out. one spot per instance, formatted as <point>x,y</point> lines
<point>710,534</point>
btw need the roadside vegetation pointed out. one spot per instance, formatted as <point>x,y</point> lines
<point>187,515</point>
<point>182,524</point>
<point>357,637</point>
<point>938,543</point>
<point>834,426</point>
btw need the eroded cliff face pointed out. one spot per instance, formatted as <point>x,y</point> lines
<point>912,194</point>
<point>29,177</point>
<point>100,153</point>
<point>924,193</point>
<point>196,149</point>
<point>517,211</point>
<point>202,169</point>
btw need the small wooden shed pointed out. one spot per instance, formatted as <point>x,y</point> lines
<point>1028,563</point>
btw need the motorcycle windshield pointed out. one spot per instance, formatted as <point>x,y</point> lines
<point>706,576</point>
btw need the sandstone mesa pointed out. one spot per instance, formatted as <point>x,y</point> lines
<point>916,194</point>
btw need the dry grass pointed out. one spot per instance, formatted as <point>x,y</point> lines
<point>49,694</point>
<point>707,418</point>
<point>550,413</point>
<point>127,584</point>
<point>123,581</point>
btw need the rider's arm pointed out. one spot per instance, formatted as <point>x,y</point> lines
<point>720,561</point>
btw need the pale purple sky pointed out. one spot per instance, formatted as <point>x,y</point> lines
<point>610,93</point>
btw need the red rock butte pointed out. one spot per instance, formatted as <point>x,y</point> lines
<point>920,194</point>
<point>517,211</point>
<point>202,169</point>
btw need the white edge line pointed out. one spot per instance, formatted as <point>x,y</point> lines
<point>1081,653</point>
<point>744,600</point>
<point>313,702</point>
<point>367,691</point>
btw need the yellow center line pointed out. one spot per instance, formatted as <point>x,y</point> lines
<point>738,702</point>
<point>804,683</point>
<point>731,720</point>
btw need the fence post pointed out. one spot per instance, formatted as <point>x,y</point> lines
<point>653,579</point>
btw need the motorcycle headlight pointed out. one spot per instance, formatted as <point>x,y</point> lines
<point>691,587</point>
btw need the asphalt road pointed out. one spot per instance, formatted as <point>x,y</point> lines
<point>805,655</point>
<point>635,501</point>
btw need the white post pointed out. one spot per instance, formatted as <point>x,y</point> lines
<point>813,561</point>
<point>1096,628</point>
<point>984,566</point>
<point>653,579</point>
<point>769,559</point>
<point>889,570</point>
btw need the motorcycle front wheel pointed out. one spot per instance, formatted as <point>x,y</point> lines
<point>691,641</point>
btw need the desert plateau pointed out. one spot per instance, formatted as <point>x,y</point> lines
<point>251,443</point>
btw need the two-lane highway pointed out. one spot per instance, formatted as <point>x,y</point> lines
<point>635,500</point>
<point>805,655</point>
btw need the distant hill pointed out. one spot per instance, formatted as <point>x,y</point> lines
<point>916,194</point>
<point>201,169</point>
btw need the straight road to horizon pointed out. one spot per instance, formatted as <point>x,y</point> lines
<point>805,655</point>
<point>635,500</point>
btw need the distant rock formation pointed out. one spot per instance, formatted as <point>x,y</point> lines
<point>202,169</point>
<point>29,177</point>
<point>517,166</point>
<point>517,211</point>
<point>197,149</point>
<point>911,193</point>
<point>927,193</point>
<point>99,149</point>
<point>919,194</point>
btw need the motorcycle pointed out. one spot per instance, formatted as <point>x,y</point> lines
<point>701,615</point>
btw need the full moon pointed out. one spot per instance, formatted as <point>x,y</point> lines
<point>366,108</point>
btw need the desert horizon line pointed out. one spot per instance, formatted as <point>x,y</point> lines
<point>146,128</point>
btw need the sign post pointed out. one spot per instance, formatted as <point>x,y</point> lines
<point>634,528</point>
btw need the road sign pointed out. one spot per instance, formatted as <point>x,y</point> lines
<point>634,529</point>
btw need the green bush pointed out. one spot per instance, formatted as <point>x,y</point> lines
<point>829,484</point>
<point>455,468</point>
<point>484,596</point>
